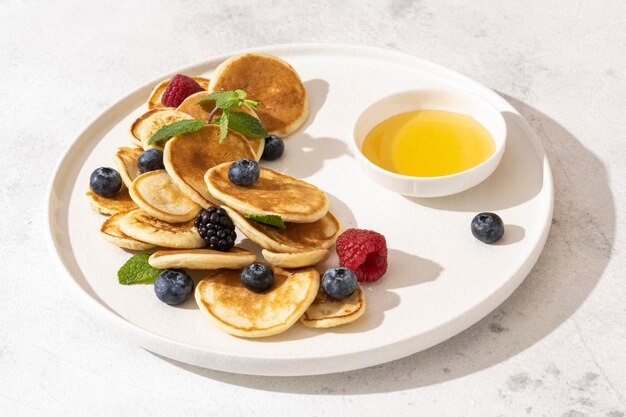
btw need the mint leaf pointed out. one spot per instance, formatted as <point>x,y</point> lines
<point>174,129</point>
<point>269,219</point>
<point>247,125</point>
<point>226,99</point>
<point>137,270</point>
<point>250,103</point>
<point>223,122</point>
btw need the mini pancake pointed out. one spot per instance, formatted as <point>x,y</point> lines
<point>156,194</point>
<point>237,258</point>
<point>202,111</point>
<point>326,312</point>
<point>126,161</point>
<point>139,225</point>
<point>148,123</point>
<point>188,157</point>
<point>295,237</point>
<point>295,259</point>
<point>110,231</point>
<point>154,101</point>
<point>283,102</point>
<point>119,203</point>
<point>241,312</point>
<point>274,193</point>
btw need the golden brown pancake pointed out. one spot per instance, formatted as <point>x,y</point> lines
<point>202,111</point>
<point>111,232</point>
<point>327,312</point>
<point>187,158</point>
<point>241,312</point>
<point>154,101</point>
<point>274,193</point>
<point>156,194</point>
<point>295,259</point>
<point>139,225</point>
<point>295,237</point>
<point>126,161</point>
<point>150,122</point>
<point>119,203</point>
<point>283,102</point>
<point>204,259</point>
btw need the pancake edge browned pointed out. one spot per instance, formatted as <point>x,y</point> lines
<point>256,333</point>
<point>291,126</point>
<point>334,321</point>
<point>179,180</point>
<point>201,259</point>
<point>270,244</point>
<point>250,209</point>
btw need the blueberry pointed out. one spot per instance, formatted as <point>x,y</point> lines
<point>339,283</point>
<point>150,160</point>
<point>257,277</point>
<point>105,182</point>
<point>173,286</point>
<point>244,172</point>
<point>487,227</point>
<point>274,148</point>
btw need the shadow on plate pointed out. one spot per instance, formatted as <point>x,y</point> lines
<point>512,234</point>
<point>519,167</point>
<point>317,90</point>
<point>310,152</point>
<point>577,252</point>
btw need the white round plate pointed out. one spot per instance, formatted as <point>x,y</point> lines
<point>440,279</point>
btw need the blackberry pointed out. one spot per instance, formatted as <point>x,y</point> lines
<point>216,229</point>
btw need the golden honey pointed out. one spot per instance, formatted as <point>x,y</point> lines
<point>428,143</point>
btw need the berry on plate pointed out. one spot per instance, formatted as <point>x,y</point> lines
<point>364,252</point>
<point>178,89</point>
<point>244,172</point>
<point>173,286</point>
<point>274,148</point>
<point>105,182</point>
<point>487,227</point>
<point>216,229</point>
<point>339,283</point>
<point>150,160</point>
<point>257,277</point>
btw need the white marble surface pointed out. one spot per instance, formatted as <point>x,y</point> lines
<point>555,348</point>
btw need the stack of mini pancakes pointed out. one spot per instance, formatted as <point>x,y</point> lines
<point>157,209</point>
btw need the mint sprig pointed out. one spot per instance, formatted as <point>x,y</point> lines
<point>247,125</point>
<point>176,128</point>
<point>223,122</point>
<point>269,219</point>
<point>241,122</point>
<point>137,270</point>
<point>226,99</point>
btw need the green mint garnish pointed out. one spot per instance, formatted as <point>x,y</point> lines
<point>137,270</point>
<point>176,128</point>
<point>223,121</point>
<point>247,125</point>
<point>250,103</point>
<point>226,99</point>
<point>243,123</point>
<point>269,219</point>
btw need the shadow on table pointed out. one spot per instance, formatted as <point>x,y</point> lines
<point>577,251</point>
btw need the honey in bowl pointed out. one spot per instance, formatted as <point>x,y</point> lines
<point>428,143</point>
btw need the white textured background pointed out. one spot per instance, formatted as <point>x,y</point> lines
<point>557,347</point>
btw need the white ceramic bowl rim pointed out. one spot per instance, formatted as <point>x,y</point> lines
<point>499,144</point>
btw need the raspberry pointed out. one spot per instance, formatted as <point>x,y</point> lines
<point>364,252</point>
<point>178,89</point>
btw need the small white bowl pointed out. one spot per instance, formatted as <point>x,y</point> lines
<point>457,101</point>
